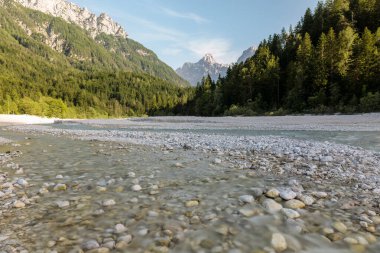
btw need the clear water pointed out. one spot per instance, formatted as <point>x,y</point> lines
<point>85,165</point>
<point>364,139</point>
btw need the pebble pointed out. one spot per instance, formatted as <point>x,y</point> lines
<point>22,182</point>
<point>60,187</point>
<point>131,174</point>
<point>278,242</point>
<point>62,204</point>
<point>120,228</point>
<point>109,202</point>
<point>290,213</point>
<point>272,206</point>
<point>246,199</point>
<point>91,244</point>
<point>308,200</point>
<point>125,238</point>
<point>192,203</point>
<point>217,161</point>
<point>136,188</point>
<point>294,204</point>
<point>99,250</point>
<point>340,227</point>
<point>320,195</point>
<point>19,204</point>
<point>272,193</point>
<point>288,194</point>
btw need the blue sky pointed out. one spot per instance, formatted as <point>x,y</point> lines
<point>184,30</point>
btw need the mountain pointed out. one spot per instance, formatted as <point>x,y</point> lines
<point>79,16</point>
<point>194,72</point>
<point>57,59</point>
<point>247,54</point>
<point>89,41</point>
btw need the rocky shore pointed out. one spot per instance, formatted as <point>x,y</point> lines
<point>192,192</point>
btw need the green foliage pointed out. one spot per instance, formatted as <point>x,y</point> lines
<point>330,62</point>
<point>81,77</point>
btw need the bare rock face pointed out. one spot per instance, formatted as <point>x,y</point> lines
<point>82,17</point>
<point>194,72</point>
<point>247,54</point>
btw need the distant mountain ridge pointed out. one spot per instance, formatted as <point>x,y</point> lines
<point>71,12</point>
<point>247,54</point>
<point>194,72</point>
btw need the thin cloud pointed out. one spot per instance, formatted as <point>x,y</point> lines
<point>220,48</point>
<point>162,33</point>
<point>190,16</point>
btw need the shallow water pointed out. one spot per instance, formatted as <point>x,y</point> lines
<point>369,140</point>
<point>167,186</point>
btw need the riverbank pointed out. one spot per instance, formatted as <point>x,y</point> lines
<point>10,119</point>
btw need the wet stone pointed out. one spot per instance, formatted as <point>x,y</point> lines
<point>89,245</point>
<point>278,242</point>
<point>294,204</point>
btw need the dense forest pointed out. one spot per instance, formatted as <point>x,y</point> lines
<point>330,62</point>
<point>53,68</point>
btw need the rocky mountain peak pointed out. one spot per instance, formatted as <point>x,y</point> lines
<point>194,72</point>
<point>82,17</point>
<point>208,58</point>
<point>247,54</point>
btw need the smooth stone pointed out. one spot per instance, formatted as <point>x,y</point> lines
<point>109,202</point>
<point>278,242</point>
<point>340,227</point>
<point>62,204</point>
<point>60,187</point>
<point>89,245</point>
<point>272,193</point>
<point>294,204</point>
<point>131,174</point>
<point>247,212</point>
<point>350,240</point>
<point>125,238</point>
<point>246,199</point>
<point>290,213</point>
<point>288,194</point>
<point>320,195</point>
<point>192,203</point>
<point>120,228</point>
<point>272,206</point>
<point>136,188</point>
<point>99,250</point>
<point>308,200</point>
<point>19,204</point>
<point>22,182</point>
<point>143,232</point>
<point>121,245</point>
<point>257,192</point>
<point>109,245</point>
<point>217,161</point>
<point>152,214</point>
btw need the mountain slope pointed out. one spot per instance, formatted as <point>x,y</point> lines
<point>54,68</point>
<point>88,41</point>
<point>194,72</point>
<point>247,54</point>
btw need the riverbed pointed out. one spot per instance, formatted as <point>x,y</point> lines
<point>296,184</point>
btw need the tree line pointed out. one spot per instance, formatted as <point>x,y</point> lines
<point>330,62</point>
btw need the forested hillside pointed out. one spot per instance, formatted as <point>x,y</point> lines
<point>330,62</point>
<point>53,68</point>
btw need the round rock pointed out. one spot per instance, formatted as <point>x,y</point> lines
<point>278,242</point>
<point>288,194</point>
